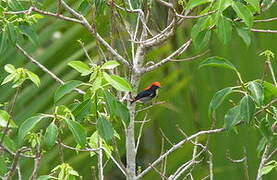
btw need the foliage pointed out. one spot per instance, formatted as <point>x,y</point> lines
<point>98,115</point>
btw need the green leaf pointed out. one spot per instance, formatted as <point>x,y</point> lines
<point>12,32</point>
<point>264,128</point>
<point>33,77</point>
<point>270,91</point>
<point>247,108</point>
<point>218,99</point>
<point>117,82</point>
<point>224,29</point>
<point>30,33</point>
<point>201,39</point>
<point>78,131</point>
<point>217,62</point>
<point>65,89</point>
<point>3,166</point>
<point>221,6</point>
<point>14,5</point>
<point>261,145</point>
<point>267,169</point>
<point>116,108</point>
<point>111,103</point>
<point>80,67</point>
<point>123,113</point>
<point>97,83</point>
<point>110,65</point>
<point>255,4</point>
<point>8,143</point>
<point>28,125</point>
<point>45,177</point>
<point>104,128</point>
<point>9,78</point>
<point>5,118</point>
<point>9,68</point>
<point>194,3</point>
<point>50,135</point>
<point>4,39</point>
<point>244,33</point>
<point>84,7</point>
<point>82,109</point>
<point>256,92</point>
<point>232,117</point>
<point>243,12</point>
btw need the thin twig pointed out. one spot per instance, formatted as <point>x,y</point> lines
<point>167,4</point>
<point>264,30</point>
<point>46,13</point>
<point>5,131</point>
<point>263,161</point>
<point>190,58</point>
<point>94,150</point>
<point>42,67</point>
<point>271,154</point>
<point>167,59</point>
<point>19,172</point>
<point>140,132</point>
<point>95,34</point>
<point>10,173</point>
<point>266,20</point>
<point>76,149</point>
<point>85,51</point>
<point>166,138</point>
<point>161,174</point>
<point>179,145</point>
<point>152,105</point>
<point>268,62</point>
<point>195,17</point>
<point>100,160</point>
<point>36,163</point>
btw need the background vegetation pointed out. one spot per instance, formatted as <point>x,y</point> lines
<point>186,91</point>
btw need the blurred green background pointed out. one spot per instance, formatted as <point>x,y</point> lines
<point>187,91</point>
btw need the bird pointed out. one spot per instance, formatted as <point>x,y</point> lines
<point>148,93</point>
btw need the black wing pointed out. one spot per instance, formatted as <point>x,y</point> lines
<point>142,95</point>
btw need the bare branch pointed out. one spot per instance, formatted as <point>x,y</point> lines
<point>179,145</point>
<point>195,17</point>
<point>94,150</point>
<point>155,169</point>
<point>140,15</point>
<point>211,165</point>
<point>76,149</point>
<point>167,59</point>
<point>263,162</point>
<point>190,58</point>
<point>167,4</point>
<point>140,132</point>
<point>46,13</point>
<point>10,173</point>
<point>271,154</point>
<point>265,107</point>
<point>100,160</point>
<point>166,138</point>
<point>152,105</point>
<point>85,23</point>
<point>242,160</point>
<point>85,51</point>
<point>36,163</point>
<point>263,31</point>
<point>266,20</point>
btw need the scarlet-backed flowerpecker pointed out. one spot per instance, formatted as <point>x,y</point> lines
<point>148,94</point>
